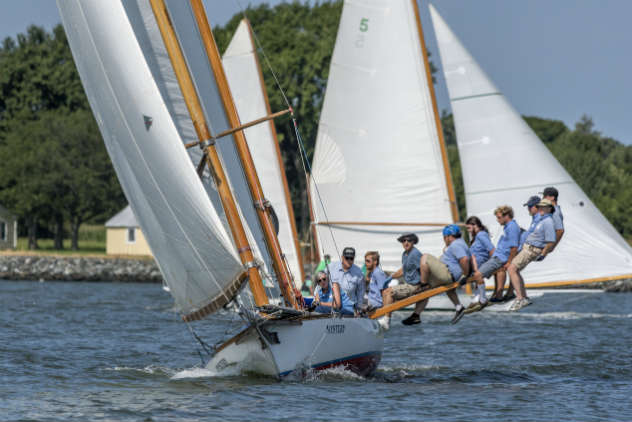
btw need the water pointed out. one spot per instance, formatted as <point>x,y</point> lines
<point>107,351</point>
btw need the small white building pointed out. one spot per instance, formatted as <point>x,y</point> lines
<point>123,235</point>
<point>8,229</point>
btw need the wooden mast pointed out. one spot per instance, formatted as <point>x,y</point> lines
<point>263,211</point>
<point>286,188</point>
<point>435,109</point>
<point>201,128</point>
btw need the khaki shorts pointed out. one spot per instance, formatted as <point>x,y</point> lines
<point>439,273</point>
<point>528,254</point>
<point>402,291</point>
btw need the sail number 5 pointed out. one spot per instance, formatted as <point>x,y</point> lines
<point>364,27</point>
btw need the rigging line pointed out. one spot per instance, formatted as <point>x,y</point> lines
<point>307,168</point>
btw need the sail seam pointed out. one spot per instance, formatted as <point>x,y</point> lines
<point>467,97</point>
<point>519,187</point>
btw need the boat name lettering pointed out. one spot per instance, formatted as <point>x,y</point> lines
<point>335,329</point>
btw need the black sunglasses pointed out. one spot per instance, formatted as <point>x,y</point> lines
<point>322,279</point>
<point>406,240</point>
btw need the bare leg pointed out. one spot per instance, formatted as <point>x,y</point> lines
<point>453,297</point>
<point>387,298</point>
<point>499,279</point>
<point>516,279</point>
<point>420,306</point>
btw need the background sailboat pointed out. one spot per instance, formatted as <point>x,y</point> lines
<point>380,165</point>
<point>247,87</point>
<point>504,162</point>
<point>202,250</point>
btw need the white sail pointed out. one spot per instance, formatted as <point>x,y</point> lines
<point>504,162</point>
<point>192,248</point>
<point>246,85</point>
<point>378,157</point>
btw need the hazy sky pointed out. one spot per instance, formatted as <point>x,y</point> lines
<point>557,59</point>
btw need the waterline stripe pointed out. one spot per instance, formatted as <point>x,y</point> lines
<point>332,362</point>
<point>489,94</point>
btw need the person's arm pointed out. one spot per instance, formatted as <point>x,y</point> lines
<point>398,273</point>
<point>474,264</point>
<point>558,236</point>
<point>337,301</point>
<point>547,249</point>
<point>464,262</point>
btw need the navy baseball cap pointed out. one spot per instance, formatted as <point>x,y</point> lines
<point>532,201</point>
<point>348,252</point>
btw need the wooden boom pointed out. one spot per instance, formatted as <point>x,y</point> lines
<point>412,299</point>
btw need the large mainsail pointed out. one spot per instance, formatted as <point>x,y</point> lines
<point>183,229</point>
<point>246,85</point>
<point>504,162</point>
<point>378,161</point>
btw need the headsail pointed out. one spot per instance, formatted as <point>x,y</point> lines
<point>246,85</point>
<point>504,162</point>
<point>183,229</point>
<point>378,158</point>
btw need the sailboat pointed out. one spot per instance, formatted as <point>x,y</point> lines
<point>494,140</point>
<point>158,91</point>
<point>380,162</point>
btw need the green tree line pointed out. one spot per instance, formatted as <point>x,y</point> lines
<point>56,175</point>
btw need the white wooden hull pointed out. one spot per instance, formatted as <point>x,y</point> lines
<point>281,348</point>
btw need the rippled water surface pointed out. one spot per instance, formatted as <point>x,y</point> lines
<point>107,351</point>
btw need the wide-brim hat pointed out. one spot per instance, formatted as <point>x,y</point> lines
<point>411,236</point>
<point>546,203</point>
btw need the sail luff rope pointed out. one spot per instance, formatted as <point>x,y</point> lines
<point>302,150</point>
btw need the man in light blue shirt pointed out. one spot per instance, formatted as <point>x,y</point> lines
<point>349,276</point>
<point>376,277</point>
<point>448,268</point>
<point>551,194</point>
<point>537,245</point>
<point>532,208</point>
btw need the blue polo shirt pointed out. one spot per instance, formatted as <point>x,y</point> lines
<point>323,297</point>
<point>509,239</point>
<point>526,233</point>
<point>481,247</point>
<point>558,218</point>
<point>451,256</point>
<point>351,281</point>
<point>376,285</point>
<point>543,232</point>
<point>410,266</point>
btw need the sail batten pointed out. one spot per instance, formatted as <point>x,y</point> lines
<point>504,162</point>
<point>184,230</point>
<point>378,155</point>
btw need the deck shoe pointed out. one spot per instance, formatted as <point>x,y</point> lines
<point>518,304</point>
<point>385,322</point>
<point>412,319</point>
<point>507,298</point>
<point>475,307</point>
<point>458,315</point>
<point>496,300</point>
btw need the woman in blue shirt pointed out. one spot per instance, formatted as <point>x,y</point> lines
<point>327,296</point>
<point>481,249</point>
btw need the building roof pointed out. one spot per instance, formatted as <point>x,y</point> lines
<point>124,218</point>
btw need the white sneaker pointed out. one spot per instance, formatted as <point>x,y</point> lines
<point>385,322</point>
<point>519,304</point>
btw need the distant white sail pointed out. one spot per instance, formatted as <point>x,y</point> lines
<point>192,248</point>
<point>377,156</point>
<point>504,162</point>
<point>244,79</point>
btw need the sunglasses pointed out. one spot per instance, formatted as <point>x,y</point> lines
<point>322,279</point>
<point>349,258</point>
<point>407,240</point>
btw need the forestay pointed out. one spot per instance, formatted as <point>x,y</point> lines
<point>504,162</point>
<point>378,157</point>
<point>246,85</point>
<point>192,248</point>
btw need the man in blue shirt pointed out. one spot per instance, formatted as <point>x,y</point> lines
<point>537,245</point>
<point>505,251</point>
<point>376,278</point>
<point>327,296</point>
<point>551,194</point>
<point>411,258</point>
<point>453,263</point>
<point>348,276</point>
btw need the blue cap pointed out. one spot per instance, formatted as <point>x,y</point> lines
<point>532,201</point>
<point>451,230</point>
